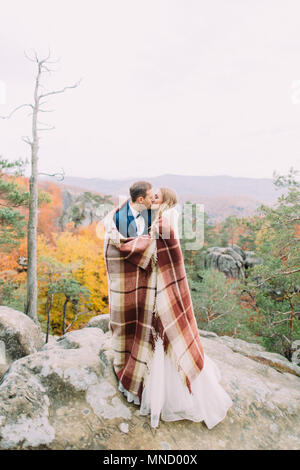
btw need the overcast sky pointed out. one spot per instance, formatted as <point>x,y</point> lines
<point>197,87</point>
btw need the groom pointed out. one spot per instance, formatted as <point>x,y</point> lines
<point>134,217</point>
<point>131,283</point>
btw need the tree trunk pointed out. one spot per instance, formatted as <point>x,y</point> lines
<point>31,306</point>
<point>64,315</point>
<point>48,310</point>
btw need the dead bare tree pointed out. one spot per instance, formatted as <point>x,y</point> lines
<point>36,108</point>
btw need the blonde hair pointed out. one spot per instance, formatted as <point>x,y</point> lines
<point>169,199</point>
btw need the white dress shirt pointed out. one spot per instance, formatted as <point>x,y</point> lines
<point>140,222</point>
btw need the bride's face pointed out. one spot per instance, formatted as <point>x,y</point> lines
<point>157,199</point>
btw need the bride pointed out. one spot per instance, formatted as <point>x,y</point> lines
<point>165,395</point>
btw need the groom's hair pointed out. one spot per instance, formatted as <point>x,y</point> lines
<point>139,188</point>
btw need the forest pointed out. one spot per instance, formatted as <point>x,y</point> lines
<point>244,280</point>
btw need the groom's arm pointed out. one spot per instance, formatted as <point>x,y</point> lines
<point>138,250</point>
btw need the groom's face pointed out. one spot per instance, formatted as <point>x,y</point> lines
<point>148,200</point>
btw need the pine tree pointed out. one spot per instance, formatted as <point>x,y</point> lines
<point>276,281</point>
<point>12,198</point>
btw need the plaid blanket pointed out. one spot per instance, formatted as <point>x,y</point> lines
<point>149,296</point>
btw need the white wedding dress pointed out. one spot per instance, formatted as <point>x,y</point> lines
<point>165,395</point>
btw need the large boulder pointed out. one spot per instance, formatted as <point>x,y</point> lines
<point>66,397</point>
<point>260,354</point>
<point>99,321</point>
<point>231,260</point>
<point>79,207</point>
<point>20,335</point>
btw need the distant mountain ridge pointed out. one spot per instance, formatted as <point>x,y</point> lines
<point>222,195</point>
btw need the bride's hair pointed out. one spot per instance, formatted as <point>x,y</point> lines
<point>169,198</point>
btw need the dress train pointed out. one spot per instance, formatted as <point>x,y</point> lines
<point>165,395</point>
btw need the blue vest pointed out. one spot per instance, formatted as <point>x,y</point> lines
<point>125,221</point>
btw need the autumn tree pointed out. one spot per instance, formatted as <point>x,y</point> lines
<point>78,254</point>
<point>50,211</point>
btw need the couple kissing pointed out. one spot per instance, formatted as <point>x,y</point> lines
<point>159,361</point>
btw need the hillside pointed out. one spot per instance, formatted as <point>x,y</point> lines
<point>221,195</point>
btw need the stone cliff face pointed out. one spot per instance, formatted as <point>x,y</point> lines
<point>64,395</point>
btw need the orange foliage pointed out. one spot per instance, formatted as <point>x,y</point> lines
<point>49,212</point>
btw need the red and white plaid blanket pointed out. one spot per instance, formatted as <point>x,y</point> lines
<point>149,295</point>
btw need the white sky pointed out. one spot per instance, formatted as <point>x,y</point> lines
<point>198,87</point>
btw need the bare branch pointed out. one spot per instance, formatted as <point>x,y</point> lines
<point>60,91</point>
<point>31,60</point>
<point>42,104</point>
<point>16,109</point>
<point>217,318</point>
<point>41,62</point>
<point>46,110</point>
<point>55,174</point>
<point>46,69</point>
<point>49,129</point>
<point>286,313</point>
<point>283,273</point>
<point>288,340</point>
<point>280,321</point>
<point>289,296</point>
<point>26,140</point>
<point>53,61</point>
<point>76,316</point>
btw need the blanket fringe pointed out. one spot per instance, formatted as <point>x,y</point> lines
<point>154,259</point>
<point>147,371</point>
<point>158,330</point>
<point>153,337</point>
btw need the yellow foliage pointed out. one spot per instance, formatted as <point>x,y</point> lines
<point>84,251</point>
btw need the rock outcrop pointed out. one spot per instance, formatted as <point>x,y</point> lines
<point>83,207</point>
<point>65,396</point>
<point>230,260</point>
<point>20,335</point>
